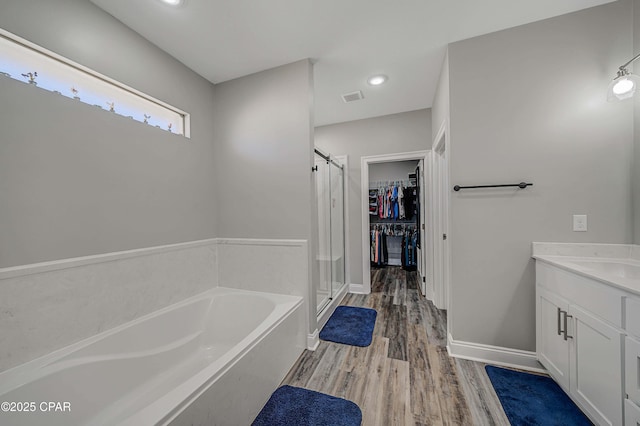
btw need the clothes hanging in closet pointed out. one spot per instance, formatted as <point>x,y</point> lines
<point>409,251</point>
<point>379,253</point>
<point>395,202</point>
<point>395,212</point>
<point>401,212</point>
<point>409,196</point>
<point>373,202</point>
<point>379,250</point>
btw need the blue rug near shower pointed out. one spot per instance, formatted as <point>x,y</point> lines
<point>532,400</point>
<point>350,325</point>
<point>291,406</point>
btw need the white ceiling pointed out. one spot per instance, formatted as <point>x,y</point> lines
<point>349,40</point>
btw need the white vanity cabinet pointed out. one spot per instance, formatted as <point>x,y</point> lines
<point>551,346</point>
<point>580,340</point>
<point>596,374</point>
<point>632,361</point>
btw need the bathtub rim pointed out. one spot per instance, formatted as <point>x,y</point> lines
<point>156,413</point>
<point>24,373</point>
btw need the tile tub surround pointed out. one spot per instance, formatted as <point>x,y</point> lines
<point>272,266</point>
<point>47,306</point>
<point>50,305</point>
<point>594,261</point>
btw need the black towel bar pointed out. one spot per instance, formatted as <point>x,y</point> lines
<point>520,185</point>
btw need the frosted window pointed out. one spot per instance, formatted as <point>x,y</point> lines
<point>31,64</point>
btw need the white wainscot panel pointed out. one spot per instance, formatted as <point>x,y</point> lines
<point>274,266</point>
<point>44,307</point>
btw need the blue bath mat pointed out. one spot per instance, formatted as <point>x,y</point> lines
<point>350,325</point>
<point>291,406</point>
<point>532,400</point>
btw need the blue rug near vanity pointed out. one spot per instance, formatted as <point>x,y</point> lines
<point>532,400</point>
<point>350,325</point>
<point>292,406</point>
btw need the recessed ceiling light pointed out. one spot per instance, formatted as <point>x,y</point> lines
<point>377,80</point>
<point>173,2</point>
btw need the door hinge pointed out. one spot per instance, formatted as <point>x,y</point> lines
<point>424,279</point>
<point>444,236</point>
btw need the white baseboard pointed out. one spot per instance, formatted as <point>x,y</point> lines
<point>358,289</point>
<point>515,358</point>
<point>313,340</point>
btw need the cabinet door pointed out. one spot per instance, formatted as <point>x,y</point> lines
<point>596,376</point>
<point>631,414</point>
<point>552,349</point>
<point>631,370</point>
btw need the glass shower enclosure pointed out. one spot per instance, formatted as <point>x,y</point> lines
<point>329,177</point>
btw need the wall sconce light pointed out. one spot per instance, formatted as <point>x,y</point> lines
<point>624,84</point>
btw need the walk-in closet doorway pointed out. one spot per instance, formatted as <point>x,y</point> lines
<point>407,242</point>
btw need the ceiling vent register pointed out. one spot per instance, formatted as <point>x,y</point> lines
<point>352,97</point>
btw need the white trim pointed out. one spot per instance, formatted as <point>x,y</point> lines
<point>398,156</point>
<point>441,208</point>
<point>313,340</point>
<point>260,242</point>
<point>344,160</point>
<point>364,205</point>
<point>36,268</point>
<point>55,265</point>
<point>496,355</point>
<point>439,135</point>
<point>357,289</point>
<point>429,292</point>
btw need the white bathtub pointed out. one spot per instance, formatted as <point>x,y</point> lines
<point>189,363</point>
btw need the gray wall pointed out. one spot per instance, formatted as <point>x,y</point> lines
<point>440,107</point>
<point>263,140</point>
<point>529,103</point>
<point>407,131</point>
<point>77,181</point>
<point>396,170</point>
<point>263,130</point>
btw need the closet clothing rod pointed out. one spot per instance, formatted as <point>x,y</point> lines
<point>327,158</point>
<point>520,185</point>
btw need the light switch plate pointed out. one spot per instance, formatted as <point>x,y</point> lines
<point>580,222</point>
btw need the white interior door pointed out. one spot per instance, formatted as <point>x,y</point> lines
<point>441,224</point>
<point>429,232</point>
<point>421,220</point>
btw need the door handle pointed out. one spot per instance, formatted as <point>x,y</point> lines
<point>559,322</point>
<point>566,317</point>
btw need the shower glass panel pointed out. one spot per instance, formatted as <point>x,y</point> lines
<point>323,195</point>
<point>337,227</point>
<point>329,178</point>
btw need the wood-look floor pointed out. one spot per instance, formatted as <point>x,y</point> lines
<point>405,377</point>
